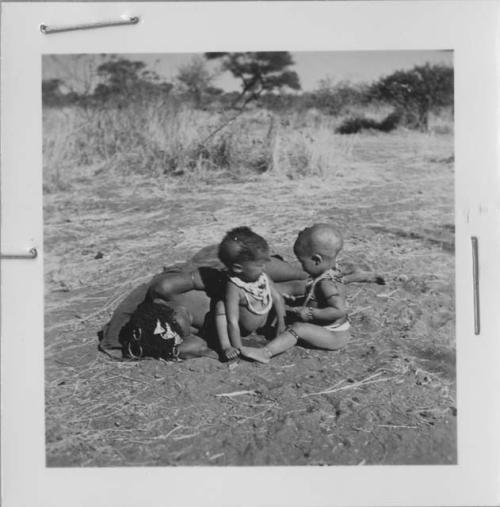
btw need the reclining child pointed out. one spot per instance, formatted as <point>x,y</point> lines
<point>178,302</point>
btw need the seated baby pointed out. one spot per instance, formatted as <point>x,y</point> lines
<point>249,294</point>
<point>322,318</point>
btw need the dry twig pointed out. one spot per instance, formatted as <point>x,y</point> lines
<point>234,393</point>
<point>359,310</point>
<point>368,380</point>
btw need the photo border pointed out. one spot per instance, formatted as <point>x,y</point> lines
<point>469,28</point>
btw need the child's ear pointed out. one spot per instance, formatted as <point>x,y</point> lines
<point>236,268</point>
<point>317,259</point>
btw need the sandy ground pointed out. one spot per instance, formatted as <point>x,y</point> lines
<point>387,398</point>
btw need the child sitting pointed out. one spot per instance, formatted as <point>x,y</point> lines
<point>323,321</point>
<point>249,293</point>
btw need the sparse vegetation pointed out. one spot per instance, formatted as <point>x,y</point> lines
<point>165,138</point>
<point>416,93</point>
<point>143,177</point>
<point>392,196</point>
<point>133,122</point>
<point>260,73</point>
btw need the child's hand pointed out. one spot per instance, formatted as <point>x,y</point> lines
<point>280,326</point>
<point>231,353</point>
<point>304,313</point>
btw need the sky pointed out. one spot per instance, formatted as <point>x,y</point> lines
<point>354,66</point>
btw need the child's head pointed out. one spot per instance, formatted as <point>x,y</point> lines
<point>244,253</point>
<point>317,248</point>
<point>153,330</point>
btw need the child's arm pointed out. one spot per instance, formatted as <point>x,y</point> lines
<point>281,271</point>
<point>353,274</point>
<point>363,276</point>
<point>279,307</point>
<point>176,283</point>
<point>233,314</point>
<point>336,305</point>
<point>228,351</point>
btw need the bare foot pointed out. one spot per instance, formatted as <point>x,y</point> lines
<point>260,355</point>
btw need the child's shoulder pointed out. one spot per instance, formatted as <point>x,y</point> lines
<point>331,286</point>
<point>328,284</point>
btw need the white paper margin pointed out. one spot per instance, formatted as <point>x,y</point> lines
<point>467,27</point>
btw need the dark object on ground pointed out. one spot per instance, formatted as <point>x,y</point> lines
<point>356,124</point>
<point>151,332</point>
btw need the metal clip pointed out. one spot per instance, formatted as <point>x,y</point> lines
<point>31,254</point>
<point>47,30</point>
<point>475,282</point>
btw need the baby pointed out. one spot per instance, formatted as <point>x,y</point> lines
<point>249,294</point>
<point>322,318</point>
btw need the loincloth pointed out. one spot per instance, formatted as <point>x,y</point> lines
<point>345,326</point>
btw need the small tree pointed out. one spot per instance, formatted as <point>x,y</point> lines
<point>333,97</point>
<point>416,92</point>
<point>51,92</point>
<point>77,72</point>
<point>196,79</point>
<point>259,72</point>
<point>120,75</point>
<point>125,79</point>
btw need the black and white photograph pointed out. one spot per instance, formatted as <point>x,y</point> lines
<point>249,258</point>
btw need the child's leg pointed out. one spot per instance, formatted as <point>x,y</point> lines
<point>321,338</point>
<point>364,276</point>
<point>284,341</point>
<point>194,346</point>
<point>168,285</point>
<point>311,334</point>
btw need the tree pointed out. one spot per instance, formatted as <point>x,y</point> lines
<point>416,92</point>
<point>333,97</point>
<point>51,92</point>
<point>259,72</point>
<point>195,79</point>
<point>122,78</point>
<point>77,72</point>
<point>120,75</point>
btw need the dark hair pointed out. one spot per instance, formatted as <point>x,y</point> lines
<point>138,337</point>
<point>242,244</point>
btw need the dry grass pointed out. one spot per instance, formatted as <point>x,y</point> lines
<point>388,398</point>
<point>164,138</point>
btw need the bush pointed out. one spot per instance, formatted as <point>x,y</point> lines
<point>334,98</point>
<point>415,93</point>
<point>357,124</point>
<point>164,137</point>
